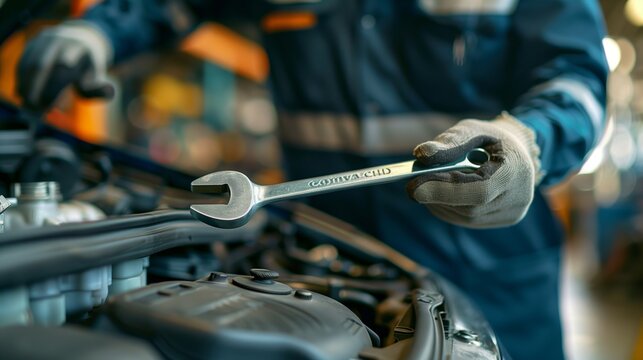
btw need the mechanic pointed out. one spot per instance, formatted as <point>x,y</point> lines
<point>360,83</point>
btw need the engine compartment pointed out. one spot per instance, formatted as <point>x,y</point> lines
<point>332,296</point>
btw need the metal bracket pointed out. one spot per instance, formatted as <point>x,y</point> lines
<point>4,205</point>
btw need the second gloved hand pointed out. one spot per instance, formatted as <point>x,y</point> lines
<point>75,53</point>
<point>498,193</point>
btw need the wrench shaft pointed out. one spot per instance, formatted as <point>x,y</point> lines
<point>350,179</point>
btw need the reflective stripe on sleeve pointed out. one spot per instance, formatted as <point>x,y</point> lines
<point>379,135</point>
<point>581,93</point>
<point>475,7</point>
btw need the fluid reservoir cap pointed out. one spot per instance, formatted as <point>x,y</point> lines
<point>262,281</point>
<point>264,274</point>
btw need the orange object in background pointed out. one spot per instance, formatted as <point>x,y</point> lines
<point>88,116</point>
<point>89,119</point>
<point>222,46</point>
<point>288,20</point>
<point>78,7</point>
<point>9,57</point>
<point>560,202</point>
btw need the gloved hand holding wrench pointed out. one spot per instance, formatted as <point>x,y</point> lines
<point>496,195</point>
<point>246,197</point>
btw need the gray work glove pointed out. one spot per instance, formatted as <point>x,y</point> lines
<point>73,53</point>
<point>498,193</point>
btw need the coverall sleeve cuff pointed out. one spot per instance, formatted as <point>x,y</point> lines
<point>543,130</point>
<point>526,136</point>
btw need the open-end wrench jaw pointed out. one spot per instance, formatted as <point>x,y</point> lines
<point>237,211</point>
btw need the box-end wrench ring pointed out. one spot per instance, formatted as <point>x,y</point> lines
<point>246,197</point>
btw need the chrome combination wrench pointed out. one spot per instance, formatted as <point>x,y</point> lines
<point>246,197</point>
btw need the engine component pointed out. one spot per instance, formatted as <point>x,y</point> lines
<point>4,205</point>
<point>237,317</point>
<point>37,204</point>
<point>70,343</point>
<point>53,299</point>
<point>14,306</point>
<point>36,254</point>
<point>187,263</point>
<point>353,292</point>
<point>128,275</point>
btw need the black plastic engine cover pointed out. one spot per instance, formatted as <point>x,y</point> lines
<point>31,342</point>
<point>215,318</point>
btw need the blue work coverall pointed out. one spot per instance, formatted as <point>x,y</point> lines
<point>370,79</point>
